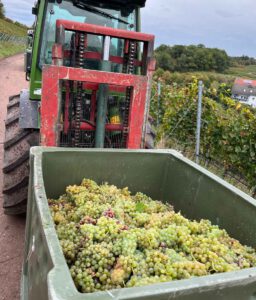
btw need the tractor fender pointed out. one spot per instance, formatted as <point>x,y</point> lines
<point>29,111</point>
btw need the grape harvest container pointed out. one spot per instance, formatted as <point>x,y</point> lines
<point>164,175</point>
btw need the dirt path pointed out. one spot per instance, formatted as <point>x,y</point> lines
<point>12,80</point>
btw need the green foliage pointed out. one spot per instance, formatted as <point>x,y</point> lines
<point>206,62</point>
<point>228,127</point>
<point>191,58</point>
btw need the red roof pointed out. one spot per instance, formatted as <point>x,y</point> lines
<point>245,82</point>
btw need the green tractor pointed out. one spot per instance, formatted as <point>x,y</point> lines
<point>99,115</point>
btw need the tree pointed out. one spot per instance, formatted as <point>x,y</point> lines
<point>191,58</point>
<point>165,61</point>
<point>2,10</point>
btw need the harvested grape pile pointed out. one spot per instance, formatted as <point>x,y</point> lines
<point>112,239</point>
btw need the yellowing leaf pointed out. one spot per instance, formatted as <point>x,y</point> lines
<point>238,106</point>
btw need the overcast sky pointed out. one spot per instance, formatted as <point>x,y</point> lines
<point>226,24</point>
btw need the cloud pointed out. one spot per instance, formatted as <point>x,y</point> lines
<point>226,24</point>
<point>228,14</point>
<point>20,10</point>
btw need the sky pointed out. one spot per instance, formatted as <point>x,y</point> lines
<point>225,24</point>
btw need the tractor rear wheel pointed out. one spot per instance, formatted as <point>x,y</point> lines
<point>16,160</point>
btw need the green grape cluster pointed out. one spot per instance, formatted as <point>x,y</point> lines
<point>140,281</point>
<point>129,243</point>
<point>113,239</point>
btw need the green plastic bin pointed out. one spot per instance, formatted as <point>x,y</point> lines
<point>164,175</point>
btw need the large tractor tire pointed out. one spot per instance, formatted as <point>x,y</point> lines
<point>16,160</point>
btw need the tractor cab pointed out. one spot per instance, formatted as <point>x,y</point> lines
<point>117,14</point>
<point>79,11</point>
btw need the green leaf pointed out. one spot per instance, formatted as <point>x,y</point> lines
<point>140,207</point>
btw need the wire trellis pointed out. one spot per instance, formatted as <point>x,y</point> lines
<point>213,164</point>
<point>228,173</point>
<point>12,39</point>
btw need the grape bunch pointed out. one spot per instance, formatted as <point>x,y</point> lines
<point>112,239</point>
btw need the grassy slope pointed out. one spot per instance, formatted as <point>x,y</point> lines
<point>6,48</point>
<point>12,29</point>
<point>243,71</point>
<point>233,72</point>
<point>9,49</point>
<point>227,77</point>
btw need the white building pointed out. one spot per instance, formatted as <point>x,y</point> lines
<point>244,90</point>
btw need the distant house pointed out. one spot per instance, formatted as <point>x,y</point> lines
<point>244,90</point>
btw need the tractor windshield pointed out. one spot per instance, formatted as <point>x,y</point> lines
<point>68,11</point>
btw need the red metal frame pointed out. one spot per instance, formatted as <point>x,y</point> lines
<point>63,25</point>
<point>50,109</point>
<point>98,56</point>
<point>55,74</point>
<point>66,112</point>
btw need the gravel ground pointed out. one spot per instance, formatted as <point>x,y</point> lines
<point>12,80</point>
